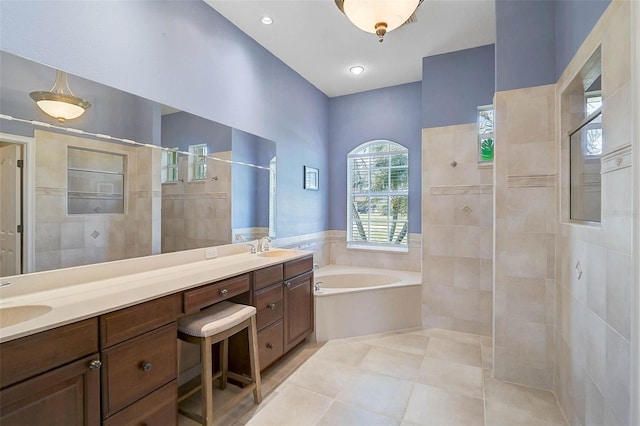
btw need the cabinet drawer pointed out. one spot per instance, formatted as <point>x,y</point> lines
<point>267,276</point>
<point>270,344</point>
<point>207,295</point>
<point>268,303</point>
<point>137,367</point>
<point>124,324</point>
<point>297,267</point>
<point>157,409</point>
<point>28,356</point>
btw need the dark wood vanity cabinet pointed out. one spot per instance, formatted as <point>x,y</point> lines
<point>140,363</point>
<point>298,309</point>
<point>121,368</point>
<point>52,377</point>
<point>283,297</point>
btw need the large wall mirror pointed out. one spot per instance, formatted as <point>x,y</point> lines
<point>128,178</point>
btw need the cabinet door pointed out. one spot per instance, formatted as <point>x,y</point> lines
<point>68,395</point>
<point>298,309</point>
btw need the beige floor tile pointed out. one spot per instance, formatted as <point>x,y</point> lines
<point>459,378</point>
<point>412,377</point>
<point>348,353</point>
<point>537,403</point>
<point>375,392</point>
<point>252,410</point>
<point>430,405</point>
<point>454,351</point>
<point>498,414</point>
<point>293,406</point>
<point>327,378</point>
<point>456,336</point>
<point>406,342</point>
<point>394,363</point>
<point>342,414</point>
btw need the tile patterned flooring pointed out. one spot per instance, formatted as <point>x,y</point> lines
<point>407,378</point>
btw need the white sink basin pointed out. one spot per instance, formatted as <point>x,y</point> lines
<point>276,253</point>
<point>17,314</point>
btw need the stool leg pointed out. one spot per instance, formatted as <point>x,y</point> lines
<point>224,362</point>
<point>253,359</point>
<point>207,386</point>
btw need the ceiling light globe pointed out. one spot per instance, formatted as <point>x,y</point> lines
<point>266,20</point>
<point>357,70</point>
<point>60,110</point>
<point>367,14</point>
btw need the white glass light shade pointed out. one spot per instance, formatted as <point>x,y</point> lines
<point>366,14</point>
<point>60,104</point>
<point>60,109</point>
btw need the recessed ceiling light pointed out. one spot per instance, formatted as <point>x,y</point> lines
<point>267,20</point>
<point>358,69</point>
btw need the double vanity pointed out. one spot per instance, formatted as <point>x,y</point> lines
<point>105,351</point>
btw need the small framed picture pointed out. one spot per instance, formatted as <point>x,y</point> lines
<point>311,178</point>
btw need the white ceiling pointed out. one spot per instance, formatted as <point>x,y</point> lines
<point>317,41</point>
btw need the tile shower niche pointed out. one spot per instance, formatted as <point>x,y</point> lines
<point>95,182</point>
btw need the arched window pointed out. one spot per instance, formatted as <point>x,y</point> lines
<point>378,195</point>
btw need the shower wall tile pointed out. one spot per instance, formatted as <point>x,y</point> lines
<point>457,232</point>
<point>594,313</point>
<point>525,226</point>
<point>619,290</point>
<point>66,240</point>
<point>187,208</point>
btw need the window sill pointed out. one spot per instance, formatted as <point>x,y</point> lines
<point>378,249</point>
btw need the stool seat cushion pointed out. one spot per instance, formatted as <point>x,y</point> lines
<point>216,319</point>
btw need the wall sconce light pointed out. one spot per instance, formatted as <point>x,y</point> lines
<point>60,104</point>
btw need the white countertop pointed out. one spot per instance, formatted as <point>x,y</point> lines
<point>81,301</point>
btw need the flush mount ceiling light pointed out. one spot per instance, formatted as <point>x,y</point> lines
<point>60,102</point>
<point>357,70</point>
<point>379,16</point>
<point>267,20</point>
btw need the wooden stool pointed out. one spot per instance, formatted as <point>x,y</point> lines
<point>213,325</point>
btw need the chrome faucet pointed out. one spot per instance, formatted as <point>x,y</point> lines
<point>253,248</point>
<point>263,244</point>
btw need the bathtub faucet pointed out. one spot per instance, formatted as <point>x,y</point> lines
<point>316,286</point>
<point>263,244</point>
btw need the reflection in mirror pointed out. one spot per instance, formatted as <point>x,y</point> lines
<point>129,178</point>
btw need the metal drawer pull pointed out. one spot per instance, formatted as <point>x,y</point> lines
<point>271,346</point>
<point>224,292</point>
<point>288,284</point>
<point>146,366</point>
<point>95,364</point>
<point>272,306</point>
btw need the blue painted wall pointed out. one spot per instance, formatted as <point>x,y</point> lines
<point>250,185</point>
<point>574,21</point>
<point>391,113</point>
<point>122,115</point>
<point>186,55</point>
<point>525,43</point>
<point>455,84</point>
<point>181,129</point>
